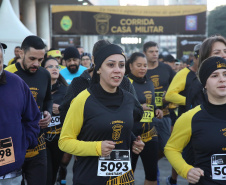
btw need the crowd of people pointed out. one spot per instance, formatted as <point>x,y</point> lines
<point>107,109</point>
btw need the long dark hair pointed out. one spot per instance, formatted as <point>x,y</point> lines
<point>207,45</point>
<point>131,60</point>
<point>60,78</point>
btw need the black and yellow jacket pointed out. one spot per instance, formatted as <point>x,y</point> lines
<point>184,90</point>
<point>161,77</point>
<point>205,127</point>
<point>40,86</point>
<point>88,123</point>
<point>58,92</point>
<point>146,94</point>
<point>81,83</point>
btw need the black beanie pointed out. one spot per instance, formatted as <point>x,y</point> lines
<point>101,55</point>
<point>71,52</point>
<point>210,65</point>
<point>105,52</point>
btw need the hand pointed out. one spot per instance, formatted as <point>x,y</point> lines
<point>145,107</point>
<point>107,147</point>
<point>159,113</point>
<point>56,109</point>
<point>138,145</point>
<point>194,175</point>
<point>163,98</point>
<point>43,123</point>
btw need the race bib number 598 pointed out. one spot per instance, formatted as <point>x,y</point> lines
<point>116,164</point>
<point>6,151</point>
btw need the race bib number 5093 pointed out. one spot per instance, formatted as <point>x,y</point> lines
<point>116,164</point>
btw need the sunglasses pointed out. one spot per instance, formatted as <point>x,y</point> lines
<point>52,66</point>
<point>85,59</point>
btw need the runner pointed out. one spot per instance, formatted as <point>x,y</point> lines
<point>161,75</point>
<point>136,68</point>
<point>59,87</point>
<point>78,85</point>
<point>19,124</point>
<point>99,122</point>
<point>211,46</point>
<point>177,93</point>
<point>204,126</point>
<point>39,81</point>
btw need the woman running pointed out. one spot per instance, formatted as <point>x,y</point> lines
<point>98,125</point>
<point>204,126</point>
<point>136,68</point>
<point>59,87</point>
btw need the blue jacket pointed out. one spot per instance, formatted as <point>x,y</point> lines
<point>69,76</point>
<point>19,117</point>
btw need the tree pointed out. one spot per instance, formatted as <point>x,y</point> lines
<point>216,21</point>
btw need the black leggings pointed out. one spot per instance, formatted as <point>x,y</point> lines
<point>35,169</point>
<point>149,157</point>
<point>54,156</point>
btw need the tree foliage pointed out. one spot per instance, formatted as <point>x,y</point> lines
<point>217,21</point>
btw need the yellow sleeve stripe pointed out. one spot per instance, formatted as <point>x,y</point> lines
<point>9,63</point>
<point>176,86</point>
<point>179,138</point>
<point>131,81</point>
<point>12,68</point>
<point>71,128</point>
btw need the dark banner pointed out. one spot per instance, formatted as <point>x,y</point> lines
<point>185,45</point>
<point>64,42</point>
<point>126,20</point>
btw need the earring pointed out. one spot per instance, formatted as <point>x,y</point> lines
<point>98,72</point>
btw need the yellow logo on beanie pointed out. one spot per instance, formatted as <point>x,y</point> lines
<point>220,65</point>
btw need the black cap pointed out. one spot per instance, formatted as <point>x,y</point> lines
<point>169,58</point>
<point>196,50</point>
<point>4,46</point>
<point>71,52</point>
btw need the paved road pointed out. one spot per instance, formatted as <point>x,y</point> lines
<point>164,166</point>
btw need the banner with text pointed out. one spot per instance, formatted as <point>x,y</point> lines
<point>128,20</point>
<point>185,45</point>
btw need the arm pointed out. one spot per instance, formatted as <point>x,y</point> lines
<point>72,126</point>
<point>48,102</point>
<point>30,118</point>
<point>176,86</point>
<point>179,138</point>
<point>47,106</point>
<point>77,85</point>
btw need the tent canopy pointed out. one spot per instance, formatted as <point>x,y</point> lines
<point>12,31</point>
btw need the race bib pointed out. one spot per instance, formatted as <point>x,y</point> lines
<point>116,164</point>
<point>158,99</point>
<point>55,121</point>
<point>148,115</point>
<point>6,151</point>
<point>218,165</point>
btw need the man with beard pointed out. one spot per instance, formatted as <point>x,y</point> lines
<point>39,81</point>
<point>73,68</point>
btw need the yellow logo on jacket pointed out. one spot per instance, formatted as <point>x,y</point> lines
<point>155,80</point>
